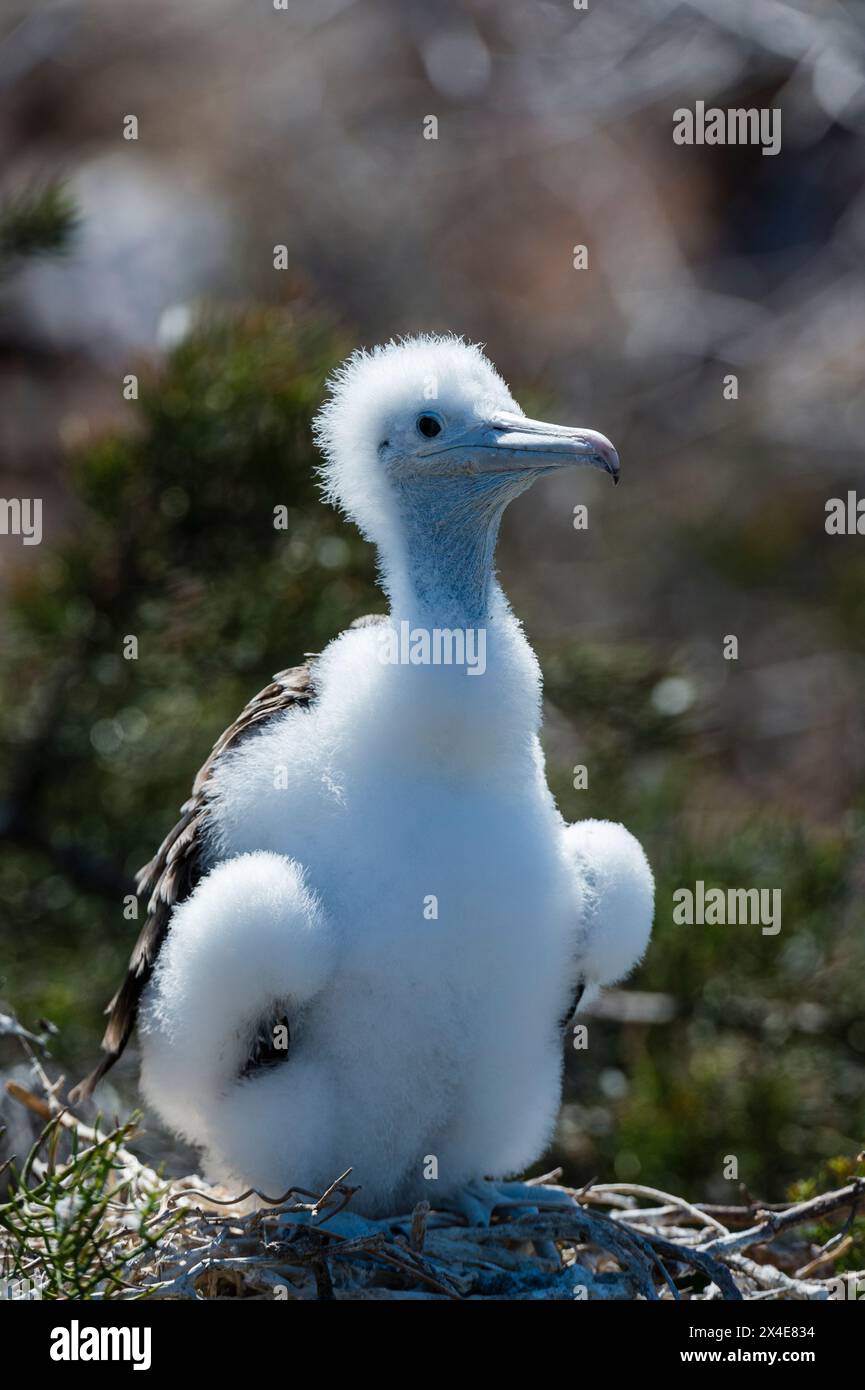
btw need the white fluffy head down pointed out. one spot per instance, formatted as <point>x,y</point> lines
<point>425,447</point>
<point>367,423</point>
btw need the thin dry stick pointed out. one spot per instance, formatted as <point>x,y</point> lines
<point>418,1226</point>
<point>629,1189</point>
<point>798,1215</point>
<point>825,1257</point>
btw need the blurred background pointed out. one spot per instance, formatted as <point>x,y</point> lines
<point>304,127</point>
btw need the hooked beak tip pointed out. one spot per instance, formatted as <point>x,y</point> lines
<point>606,456</point>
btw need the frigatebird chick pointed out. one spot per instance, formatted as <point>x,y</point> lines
<point>371,923</point>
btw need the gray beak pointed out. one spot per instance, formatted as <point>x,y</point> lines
<point>508,443</point>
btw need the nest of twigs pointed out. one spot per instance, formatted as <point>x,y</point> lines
<point>87,1219</point>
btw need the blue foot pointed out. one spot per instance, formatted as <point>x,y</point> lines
<point>345,1223</point>
<point>479,1199</point>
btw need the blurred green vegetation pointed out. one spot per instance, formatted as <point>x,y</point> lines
<point>39,220</point>
<point>174,543</point>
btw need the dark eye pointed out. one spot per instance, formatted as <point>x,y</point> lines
<point>270,1046</point>
<point>429,426</point>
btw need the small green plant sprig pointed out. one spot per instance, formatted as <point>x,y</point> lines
<point>77,1228</point>
<point>36,221</point>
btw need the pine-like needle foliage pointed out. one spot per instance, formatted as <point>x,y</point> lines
<point>36,221</point>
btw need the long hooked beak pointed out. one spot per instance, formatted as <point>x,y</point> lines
<point>506,443</point>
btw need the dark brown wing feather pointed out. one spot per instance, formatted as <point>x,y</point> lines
<point>178,864</point>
